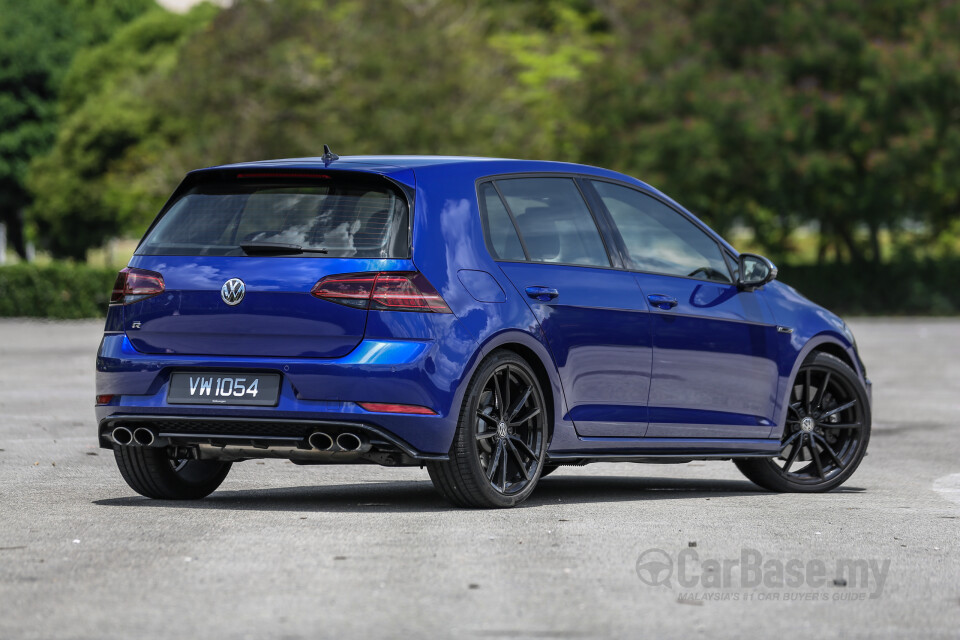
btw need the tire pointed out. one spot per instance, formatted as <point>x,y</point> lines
<point>496,462</point>
<point>152,474</point>
<point>827,430</point>
<point>548,469</point>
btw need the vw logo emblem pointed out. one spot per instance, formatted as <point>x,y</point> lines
<point>232,291</point>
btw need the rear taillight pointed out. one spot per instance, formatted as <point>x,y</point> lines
<point>384,291</point>
<point>351,290</point>
<point>135,284</point>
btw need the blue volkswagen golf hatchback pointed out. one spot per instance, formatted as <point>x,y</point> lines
<point>489,319</point>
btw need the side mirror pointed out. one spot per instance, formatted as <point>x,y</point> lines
<point>755,271</point>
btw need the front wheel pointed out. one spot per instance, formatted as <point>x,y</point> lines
<point>501,440</point>
<point>826,433</point>
<point>151,473</point>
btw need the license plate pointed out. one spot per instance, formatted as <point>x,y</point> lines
<point>257,389</point>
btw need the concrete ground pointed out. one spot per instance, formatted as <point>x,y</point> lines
<point>303,552</point>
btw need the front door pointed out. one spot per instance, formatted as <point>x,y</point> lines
<point>714,346</point>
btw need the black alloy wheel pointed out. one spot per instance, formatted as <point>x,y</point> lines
<point>501,440</point>
<point>826,431</point>
<point>152,473</point>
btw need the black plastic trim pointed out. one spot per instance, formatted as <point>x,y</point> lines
<point>113,420</point>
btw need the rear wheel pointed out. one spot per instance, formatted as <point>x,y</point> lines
<point>501,440</point>
<point>151,473</point>
<point>826,433</point>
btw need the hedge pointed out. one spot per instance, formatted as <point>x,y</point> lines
<point>68,290</point>
<point>913,288</point>
<point>57,290</point>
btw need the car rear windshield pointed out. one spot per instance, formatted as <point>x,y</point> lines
<point>319,216</point>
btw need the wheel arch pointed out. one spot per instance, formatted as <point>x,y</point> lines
<point>538,356</point>
<point>836,350</point>
<point>826,342</point>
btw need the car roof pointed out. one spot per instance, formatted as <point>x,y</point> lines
<point>388,164</point>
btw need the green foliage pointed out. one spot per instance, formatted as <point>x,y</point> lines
<point>90,186</point>
<point>901,287</point>
<point>548,66</point>
<point>59,290</point>
<point>778,114</point>
<point>37,41</point>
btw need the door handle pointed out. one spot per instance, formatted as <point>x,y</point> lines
<point>661,301</point>
<point>543,294</point>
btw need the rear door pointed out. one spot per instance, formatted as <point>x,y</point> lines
<point>276,235</point>
<point>714,346</point>
<point>591,313</point>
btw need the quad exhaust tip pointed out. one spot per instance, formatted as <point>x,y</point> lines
<point>143,437</point>
<point>320,441</point>
<point>138,437</point>
<point>349,442</point>
<point>122,436</point>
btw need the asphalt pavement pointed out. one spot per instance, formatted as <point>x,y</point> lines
<point>615,550</point>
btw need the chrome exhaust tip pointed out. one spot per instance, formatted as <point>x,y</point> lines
<point>320,441</point>
<point>122,436</point>
<point>143,437</point>
<point>352,443</point>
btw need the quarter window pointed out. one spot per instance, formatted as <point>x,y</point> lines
<point>659,239</point>
<point>554,221</point>
<point>498,226</point>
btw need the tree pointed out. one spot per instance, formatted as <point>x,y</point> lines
<point>37,41</point>
<point>95,182</point>
<point>841,113</point>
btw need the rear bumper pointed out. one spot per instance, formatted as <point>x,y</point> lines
<point>259,435</point>
<point>313,391</point>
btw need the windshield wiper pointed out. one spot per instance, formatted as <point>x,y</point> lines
<point>276,248</point>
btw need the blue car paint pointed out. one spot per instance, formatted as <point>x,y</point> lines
<point>598,328</point>
<point>720,342</point>
<point>428,359</point>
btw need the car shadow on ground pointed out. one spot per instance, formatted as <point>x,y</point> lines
<point>420,496</point>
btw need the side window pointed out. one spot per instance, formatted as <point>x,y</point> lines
<point>497,225</point>
<point>661,240</point>
<point>554,221</point>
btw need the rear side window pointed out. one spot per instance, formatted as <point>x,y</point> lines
<point>498,226</point>
<point>325,216</point>
<point>659,239</point>
<point>554,221</point>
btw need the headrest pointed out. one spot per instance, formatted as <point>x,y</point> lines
<point>539,230</point>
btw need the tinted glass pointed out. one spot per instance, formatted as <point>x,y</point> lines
<point>347,218</point>
<point>498,226</point>
<point>661,240</point>
<point>554,221</point>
